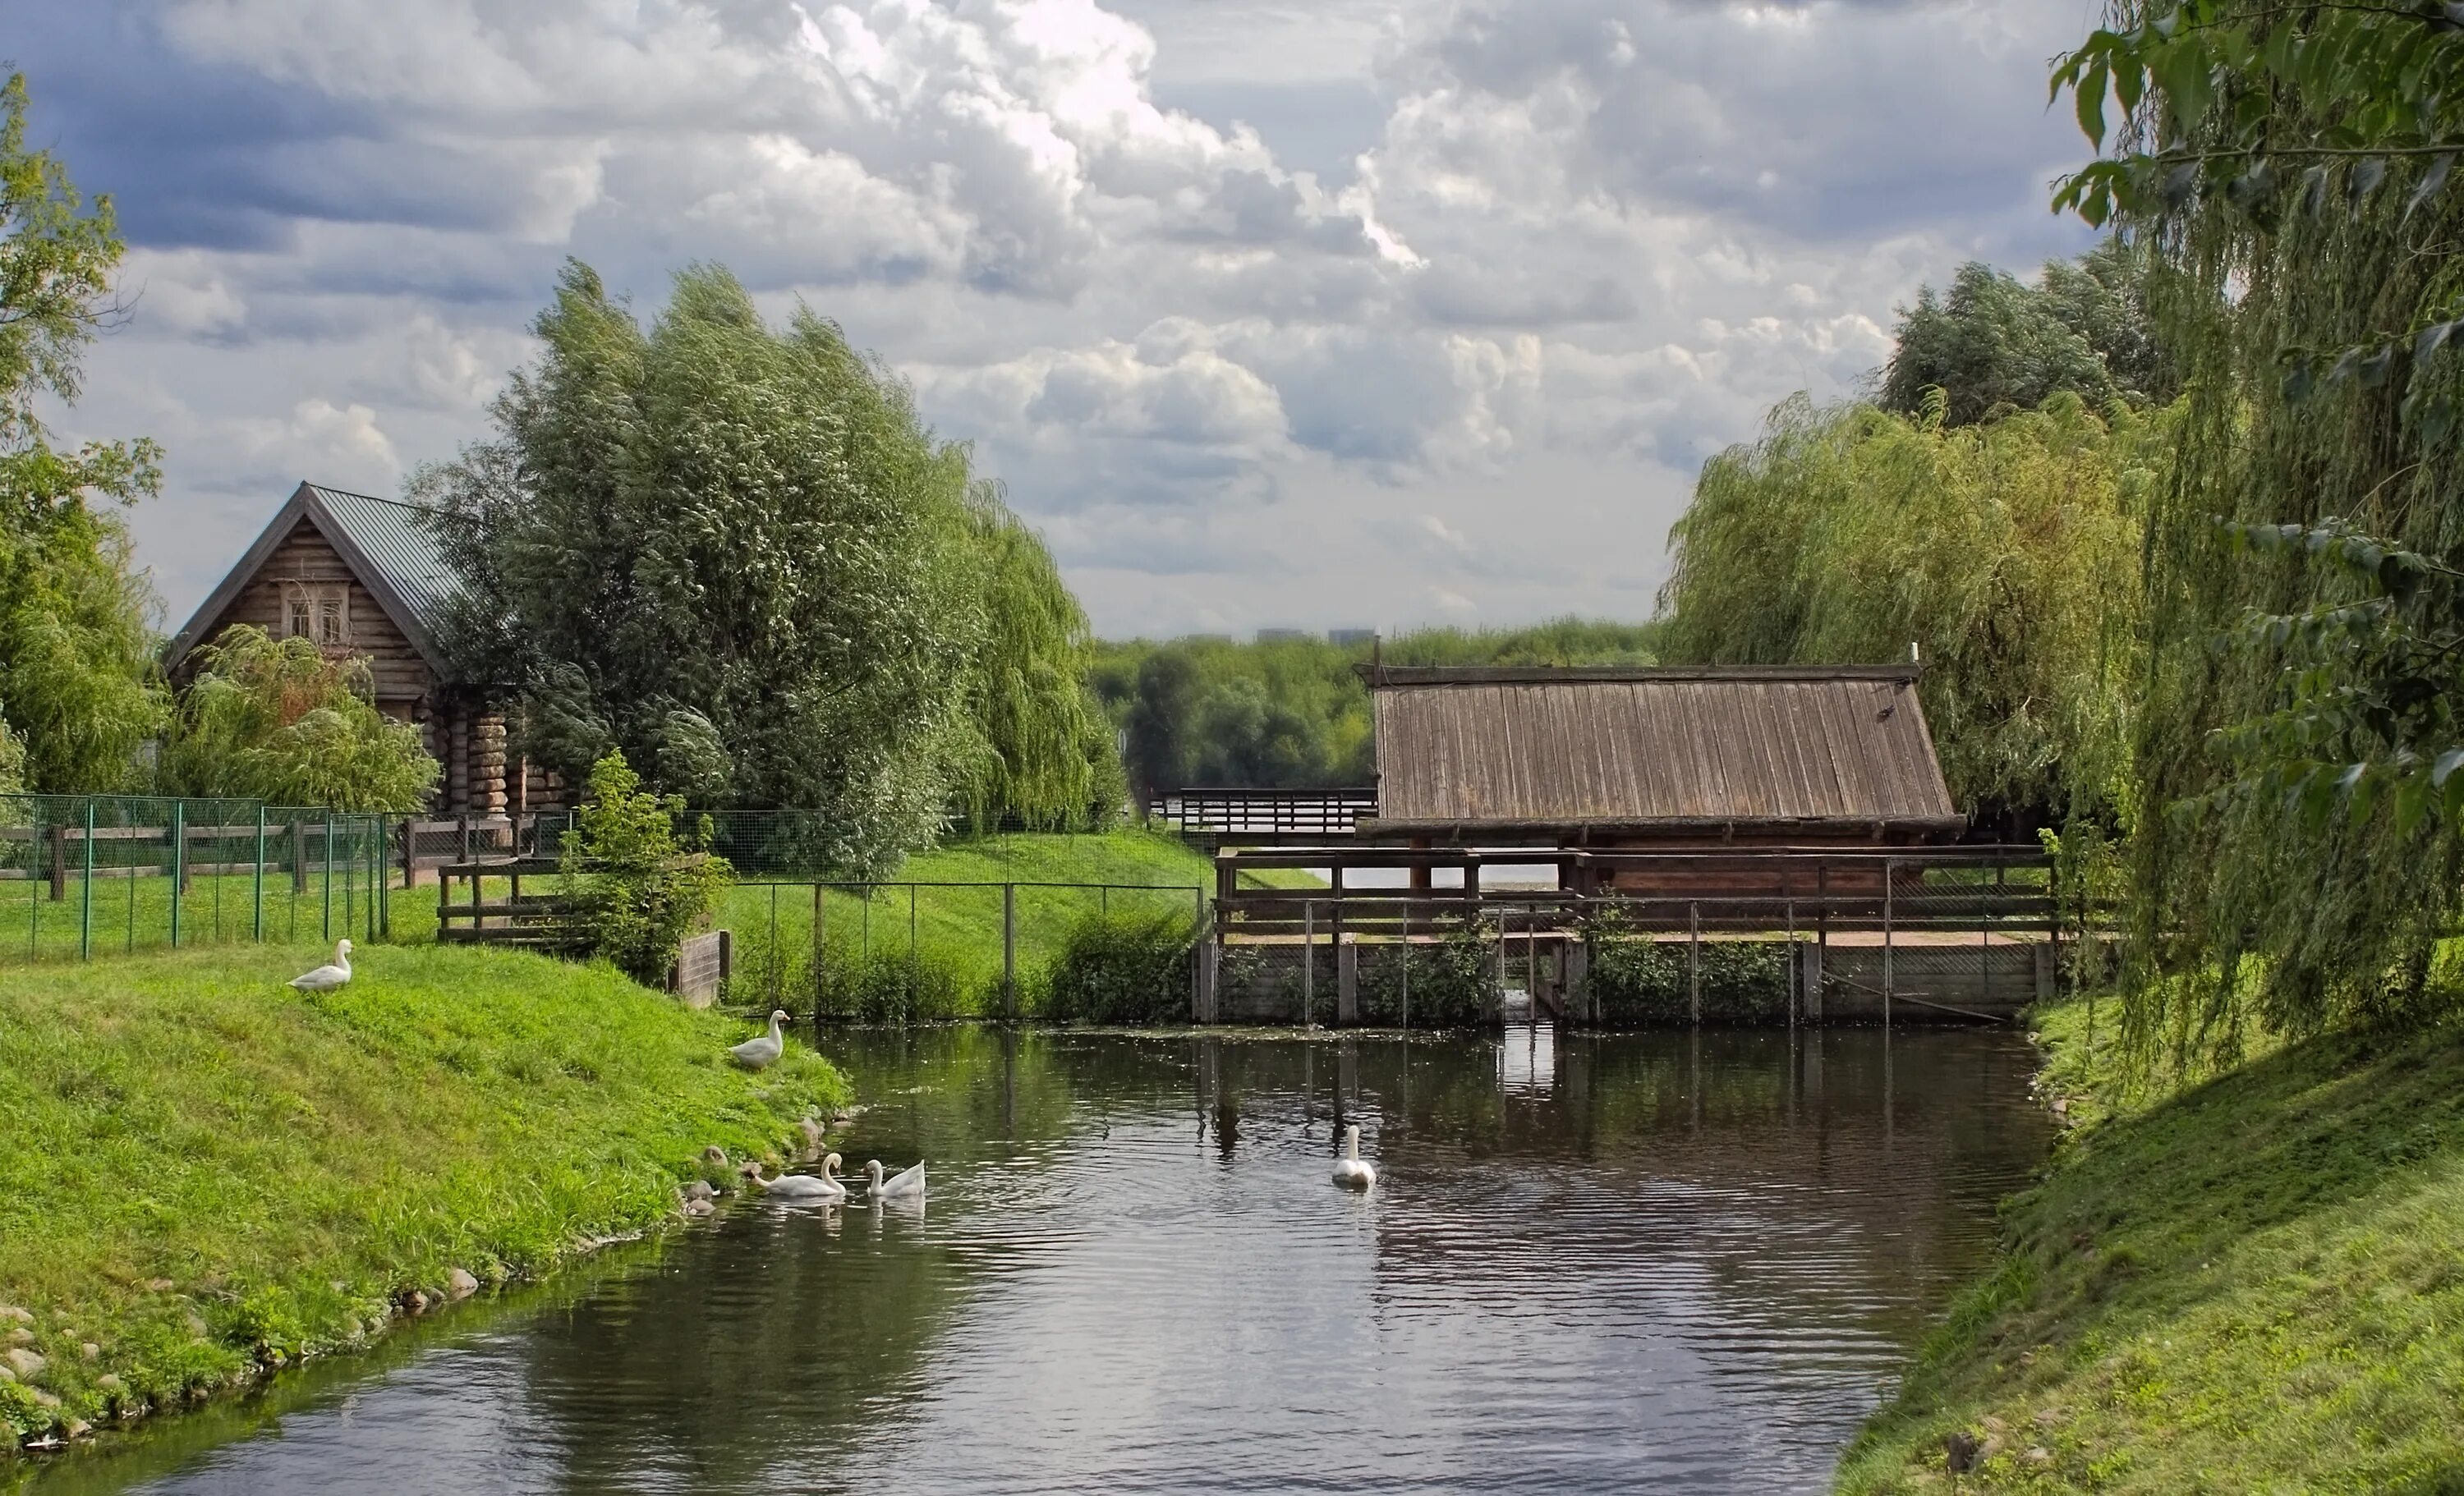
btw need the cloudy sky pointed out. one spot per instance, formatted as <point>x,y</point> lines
<point>1344,313</point>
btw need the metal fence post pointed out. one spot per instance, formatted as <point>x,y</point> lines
<point>179,863</point>
<point>1889,879</point>
<point>256,884</point>
<point>1009,947</point>
<point>327,927</point>
<point>817,951</point>
<point>1308,958</point>
<point>85,914</point>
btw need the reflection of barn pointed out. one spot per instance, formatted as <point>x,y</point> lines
<point>1734,802</point>
<point>363,577</point>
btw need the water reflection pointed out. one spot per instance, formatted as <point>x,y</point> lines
<point>1680,1262</point>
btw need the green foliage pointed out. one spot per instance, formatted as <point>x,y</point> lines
<point>1993,342</point>
<point>12,758</point>
<point>1642,982</point>
<point>1452,983</point>
<point>926,984</point>
<point>636,891</point>
<point>736,552</point>
<point>2289,169</point>
<point>2007,551</point>
<point>1294,712</point>
<point>1043,748</point>
<point>1124,968</point>
<point>2235,1281</point>
<point>293,1163</point>
<point>77,657</point>
<point>278,720</point>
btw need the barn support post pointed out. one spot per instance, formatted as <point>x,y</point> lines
<point>1694,961</point>
<point>1308,958</point>
<point>1347,981</point>
<point>1890,885</point>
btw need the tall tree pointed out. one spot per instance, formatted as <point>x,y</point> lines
<point>79,682</point>
<point>1994,342</point>
<point>2290,168</point>
<point>2005,550</point>
<point>735,553</point>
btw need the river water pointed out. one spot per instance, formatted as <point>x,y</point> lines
<point>1669,1261</point>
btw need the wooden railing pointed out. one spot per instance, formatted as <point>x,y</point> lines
<point>1237,815</point>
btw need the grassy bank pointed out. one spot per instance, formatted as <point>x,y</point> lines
<point>207,1175</point>
<point>2249,1283</point>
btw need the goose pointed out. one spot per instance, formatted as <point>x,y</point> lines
<point>325,979</point>
<point>1349,1171</point>
<point>756,1053</point>
<point>806,1186</point>
<point>906,1185</point>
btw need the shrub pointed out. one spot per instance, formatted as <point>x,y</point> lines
<point>636,893</point>
<point>894,986</point>
<point>274,719</point>
<point>1453,982</point>
<point>1122,968</point>
<point>1642,982</point>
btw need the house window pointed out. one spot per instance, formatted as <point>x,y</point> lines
<point>323,614</point>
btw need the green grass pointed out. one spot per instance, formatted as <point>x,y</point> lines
<point>205,1174</point>
<point>2246,1282</point>
<point>135,915</point>
<point>957,930</point>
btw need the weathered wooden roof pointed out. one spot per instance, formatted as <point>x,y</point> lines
<point>1531,750</point>
<point>390,545</point>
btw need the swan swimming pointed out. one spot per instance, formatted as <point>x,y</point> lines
<point>806,1186</point>
<point>758,1052</point>
<point>1349,1171</point>
<point>906,1185</point>
<point>325,979</point>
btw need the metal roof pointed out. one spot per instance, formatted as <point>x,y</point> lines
<point>390,545</point>
<point>1644,750</point>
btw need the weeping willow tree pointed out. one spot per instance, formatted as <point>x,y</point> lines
<point>1041,747</point>
<point>2289,169</point>
<point>2005,550</point>
<point>274,719</point>
<point>735,552</point>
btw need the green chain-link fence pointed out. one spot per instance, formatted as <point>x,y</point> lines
<point>83,875</point>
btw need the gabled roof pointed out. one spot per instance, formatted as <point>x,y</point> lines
<point>1627,750</point>
<point>390,545</point>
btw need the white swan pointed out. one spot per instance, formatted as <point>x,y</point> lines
<point>1349,1171</point>
<point>806,1186</point>
<point>907,1184</point>
<point>756,1053</point>
<point>325,979</point>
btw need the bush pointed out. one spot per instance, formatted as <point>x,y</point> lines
<point>1124,968</point>
<point>1642,982</point>
<point>1453,983</point>
<point>274,719</point>
<point>636,893</point>
<point>894,986</point>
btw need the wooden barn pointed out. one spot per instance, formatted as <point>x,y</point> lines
<point>1726,759</point>
<point>364,576</point>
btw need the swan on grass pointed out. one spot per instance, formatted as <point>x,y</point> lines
<point>908,1184</point>
<point>805,1186</point>
<point>756,1053</point>
<point>1350,1171</point>
<point>327,977</point>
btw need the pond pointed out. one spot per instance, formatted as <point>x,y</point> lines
<point>1674,1262</point>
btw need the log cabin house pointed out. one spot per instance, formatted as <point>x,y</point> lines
<point>365,576</point>
<point>1725,760</point>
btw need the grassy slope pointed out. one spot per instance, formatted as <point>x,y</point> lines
<point>2255,1284</point>
<point>291,1164</point>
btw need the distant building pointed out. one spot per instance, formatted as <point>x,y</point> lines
<point>1351,638</point>
<point>363,577</point>
<point>1284,635</point>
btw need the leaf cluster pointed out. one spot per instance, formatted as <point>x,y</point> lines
<point>635,890</point>
<point>279,720</point>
